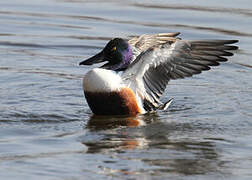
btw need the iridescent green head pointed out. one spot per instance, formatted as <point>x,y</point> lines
<point>117,53</point>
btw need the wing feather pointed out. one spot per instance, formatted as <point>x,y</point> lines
<point>150,73</point>
<point>142,43</point>
<point>146,41</point>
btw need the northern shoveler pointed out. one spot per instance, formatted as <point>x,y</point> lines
<point>147,63</point>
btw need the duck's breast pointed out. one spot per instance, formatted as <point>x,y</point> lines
<point>107,95</point>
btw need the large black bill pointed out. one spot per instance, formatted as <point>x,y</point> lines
<point>94,59</point>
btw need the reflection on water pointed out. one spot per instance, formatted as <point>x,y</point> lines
<point>104,122</point>
<point>185,156</point>
<point>113,142</point>
<point>47,131</point>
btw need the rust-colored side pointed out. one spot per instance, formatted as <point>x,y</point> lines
<point>122,102</point>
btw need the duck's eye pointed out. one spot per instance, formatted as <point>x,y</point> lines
<point>113,49</point>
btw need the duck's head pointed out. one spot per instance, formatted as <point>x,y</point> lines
<point>117,53</point>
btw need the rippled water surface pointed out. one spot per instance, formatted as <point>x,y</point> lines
<point>47,130</point>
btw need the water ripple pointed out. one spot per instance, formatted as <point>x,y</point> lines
<point>47,129</point>
<point>151,24</point>
<point>42,71</point>
<point>237,11</point>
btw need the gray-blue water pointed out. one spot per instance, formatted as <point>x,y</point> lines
<point>47,130</point>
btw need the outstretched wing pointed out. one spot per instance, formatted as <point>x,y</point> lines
<point>149,74</point>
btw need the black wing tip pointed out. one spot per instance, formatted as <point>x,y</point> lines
<point>226,53</point>
<point>171,34</point>
<point>227,42</point>
<point>234,48</point>
<point>232,41</point>
<point>229,48</point>
<point>221,59</point>
<point>213,42</point>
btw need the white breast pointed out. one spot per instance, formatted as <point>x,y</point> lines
<point>102,80</point>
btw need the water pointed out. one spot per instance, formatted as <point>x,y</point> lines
<point>47,130</point>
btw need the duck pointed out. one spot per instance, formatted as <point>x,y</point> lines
<point>135,72</point>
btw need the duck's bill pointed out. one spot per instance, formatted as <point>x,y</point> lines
<point>98,58</point>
